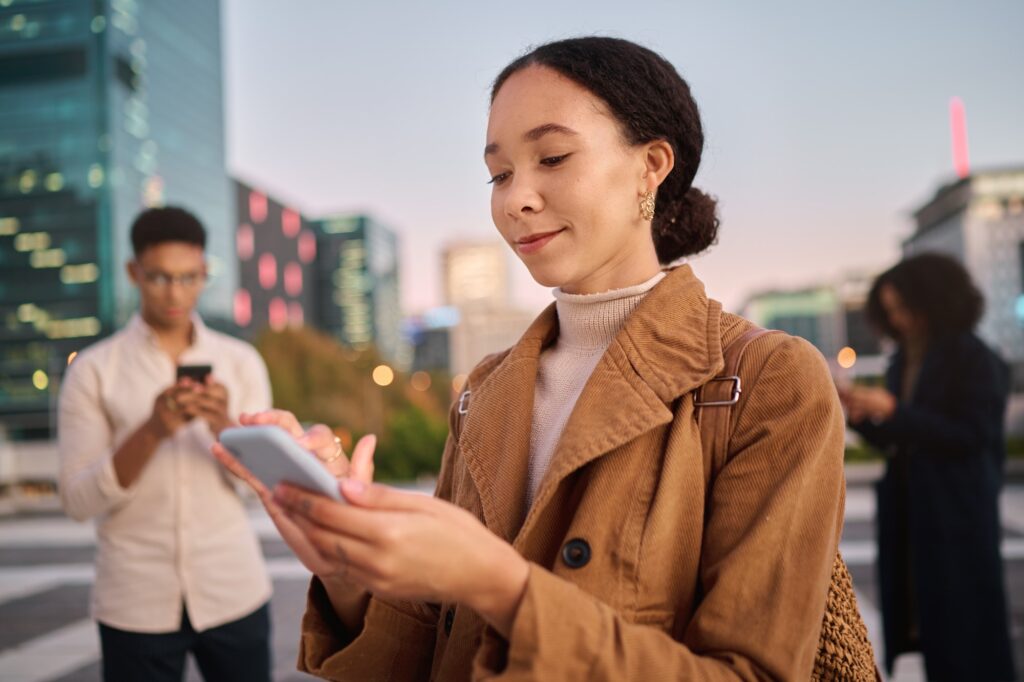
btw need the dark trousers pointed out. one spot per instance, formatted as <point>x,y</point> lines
<point>239,650</point>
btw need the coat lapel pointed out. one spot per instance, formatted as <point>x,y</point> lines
<point>669,346</point>
<point>495,438</point>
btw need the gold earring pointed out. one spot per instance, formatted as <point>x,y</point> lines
<point>647,205</point>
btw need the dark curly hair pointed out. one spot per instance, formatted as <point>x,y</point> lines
<point>166,224</point>
<point>934,286</point>
<point>651,101</point>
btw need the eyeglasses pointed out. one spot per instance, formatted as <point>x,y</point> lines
<point>164,280</point>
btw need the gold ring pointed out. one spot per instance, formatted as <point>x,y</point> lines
<point>171,403</point>
<point>337,452</point>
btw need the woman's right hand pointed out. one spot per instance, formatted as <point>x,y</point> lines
<point>321,443</point>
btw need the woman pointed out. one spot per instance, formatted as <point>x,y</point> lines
<point>940,422</point>
<point>572,534</point>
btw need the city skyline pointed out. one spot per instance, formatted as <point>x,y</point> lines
<point>824,127</point>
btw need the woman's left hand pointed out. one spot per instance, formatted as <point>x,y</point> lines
<point>407,545</point>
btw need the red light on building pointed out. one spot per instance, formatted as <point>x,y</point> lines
<point>293,279</point>
<point>307,247</point>
<point>257,206</point>
<point>278,313</point>
<point>245,241</point>
<point>290,222</point>
<point>243,308</point>
<point>268,271</point>
<point>296,317</point>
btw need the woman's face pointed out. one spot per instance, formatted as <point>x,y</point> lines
<point>907,324</point>
<point>566,186</point>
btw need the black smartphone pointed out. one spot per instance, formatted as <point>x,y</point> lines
<point>196,373</point>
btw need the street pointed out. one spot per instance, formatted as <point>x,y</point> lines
<point>46,568</point>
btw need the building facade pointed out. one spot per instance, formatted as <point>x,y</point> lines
<point>357,286</point>
<point>276,249</point>
<point>95,126</point>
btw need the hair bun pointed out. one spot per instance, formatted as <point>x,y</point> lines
<point>686,226</point>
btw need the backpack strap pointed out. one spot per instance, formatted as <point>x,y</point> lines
<point>714,400</point>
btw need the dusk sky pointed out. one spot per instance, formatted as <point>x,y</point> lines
<point>825,124</point>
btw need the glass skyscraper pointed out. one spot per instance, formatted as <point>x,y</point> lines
<point>106,107</point>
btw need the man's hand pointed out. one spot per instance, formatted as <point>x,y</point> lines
<point>211,404</point>
<point>174,407</point>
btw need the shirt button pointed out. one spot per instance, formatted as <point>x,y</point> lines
<point>449,618</point>
<point>576,553</point>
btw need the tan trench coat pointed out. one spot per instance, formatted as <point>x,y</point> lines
<point>679,585</point>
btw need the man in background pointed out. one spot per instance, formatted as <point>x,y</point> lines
<point>178,567</point>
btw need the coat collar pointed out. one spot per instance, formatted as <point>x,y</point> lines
<point>669,346</point>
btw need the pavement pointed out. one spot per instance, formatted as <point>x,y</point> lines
<point>46,571</point>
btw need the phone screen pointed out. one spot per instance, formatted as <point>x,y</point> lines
<point>197,373</point>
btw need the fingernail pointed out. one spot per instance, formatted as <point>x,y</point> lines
<point>352,486</point>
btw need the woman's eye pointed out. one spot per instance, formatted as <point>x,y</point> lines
<point>553,160</point>
<point>498,179</point>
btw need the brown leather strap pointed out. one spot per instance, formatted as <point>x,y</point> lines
<point>714,400</point>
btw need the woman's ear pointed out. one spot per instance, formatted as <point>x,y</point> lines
<point>659,160</point>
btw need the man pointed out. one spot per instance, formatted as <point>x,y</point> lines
<point>178,567</point>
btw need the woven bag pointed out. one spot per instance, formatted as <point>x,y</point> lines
<point>844,651</point>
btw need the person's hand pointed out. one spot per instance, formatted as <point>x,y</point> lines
<point>406,545</point>
<point>360,468</point>
<point>211,404</point>
<point>864,402</point>
<point>173,407</point>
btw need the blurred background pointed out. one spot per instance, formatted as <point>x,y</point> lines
<point>334,152</point>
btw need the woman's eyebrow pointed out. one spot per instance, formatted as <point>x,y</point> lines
<point>535,134</point>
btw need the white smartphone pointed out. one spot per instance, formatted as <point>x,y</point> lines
<point>274,457</point>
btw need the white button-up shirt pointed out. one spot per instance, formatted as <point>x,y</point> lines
<point>179,533</point>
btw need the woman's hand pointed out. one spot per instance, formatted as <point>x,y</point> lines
<point>410,546</point>
<point>864,402</point>
<point>319,440</point>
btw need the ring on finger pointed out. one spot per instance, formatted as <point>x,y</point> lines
<point>337,452</point>
<point>171,403</point>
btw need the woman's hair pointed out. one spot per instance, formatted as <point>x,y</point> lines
<point>651,102</point>
<point>931,285</point>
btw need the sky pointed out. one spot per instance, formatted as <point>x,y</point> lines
<point>826,124</point>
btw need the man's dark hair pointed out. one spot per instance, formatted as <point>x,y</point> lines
<point>166,224</point>
<point>934,286</point>
<point>651,101</point>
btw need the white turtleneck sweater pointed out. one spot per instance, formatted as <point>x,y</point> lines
<point>587,323</point>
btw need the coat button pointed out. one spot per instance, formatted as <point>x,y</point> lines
<point>576,553</point>
<point>449,618</point>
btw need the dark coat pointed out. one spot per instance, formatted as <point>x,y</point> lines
<point>938,516</point>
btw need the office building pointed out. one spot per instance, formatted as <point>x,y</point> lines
<point>276,249</point>
<point>357,286</point>
<point>106,107</point>
<point>476,274</point>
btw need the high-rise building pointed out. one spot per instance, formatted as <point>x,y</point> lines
<point>356,281</point>
<point>477,284</point>
<point>979,220</point>
<point>276,249</point>
<point>476,274</point>
<point>106,107</point>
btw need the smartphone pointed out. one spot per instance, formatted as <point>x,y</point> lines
<point>196,373</point>
<point>274,457</point>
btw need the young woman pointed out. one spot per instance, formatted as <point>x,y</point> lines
<point>574,533</point>
<point>940,420</point>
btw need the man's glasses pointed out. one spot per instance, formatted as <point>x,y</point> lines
<point>163,280</point>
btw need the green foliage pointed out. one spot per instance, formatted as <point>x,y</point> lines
<point>321,381</point>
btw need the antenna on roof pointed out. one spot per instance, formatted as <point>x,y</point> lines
<point>958,130</point>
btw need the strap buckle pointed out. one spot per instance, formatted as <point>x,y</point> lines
<point>463,407</point>
<point>736,390</point>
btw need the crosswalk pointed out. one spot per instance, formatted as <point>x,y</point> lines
<point>74,645</point>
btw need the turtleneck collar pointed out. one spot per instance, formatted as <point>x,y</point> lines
<point>593,320</point>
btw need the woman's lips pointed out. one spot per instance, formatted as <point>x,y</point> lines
<point>535,243</point>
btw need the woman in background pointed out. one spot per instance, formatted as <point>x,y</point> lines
<point>940,422</point>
